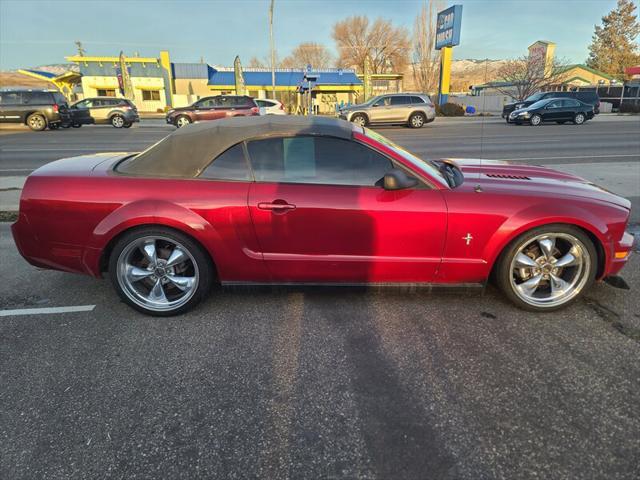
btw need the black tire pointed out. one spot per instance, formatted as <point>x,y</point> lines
<point>360,119</point>
<point>117,120</point>
<point>54,126</point>
<point>127,125</point>
<point>36,122</point>
<point>579,118</point>
<point>66,125</point>
<point>182,121</point>
<point>76,125</point>
<point>503,265</point>
<point>417,120</point>
<point>201,258</point>
<point>536,120</point>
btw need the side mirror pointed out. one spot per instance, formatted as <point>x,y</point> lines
<point>396,179</point>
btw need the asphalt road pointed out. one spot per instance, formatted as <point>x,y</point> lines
<point>324,383</point>
<point>604,139</point>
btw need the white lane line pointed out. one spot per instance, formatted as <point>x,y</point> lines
<point>42,311</point>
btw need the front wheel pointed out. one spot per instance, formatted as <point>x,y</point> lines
<point>416,120</point>
<point>579,119</point>
<point>160,271</point>
<point>547,268</point>
<point>182,121</point>
<point>536,120</point>
<point>359,119</point>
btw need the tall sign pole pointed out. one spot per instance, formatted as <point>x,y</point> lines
<point>273,52</point>
<point>238,77</point>
<point>447,36</point>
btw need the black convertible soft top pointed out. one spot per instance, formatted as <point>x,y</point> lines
<point>188,151</point>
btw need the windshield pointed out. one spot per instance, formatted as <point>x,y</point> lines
<point>427,166</point>
<point>534,98</point>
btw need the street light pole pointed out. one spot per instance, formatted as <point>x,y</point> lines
<point>273,52</point>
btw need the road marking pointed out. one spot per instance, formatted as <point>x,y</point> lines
<point>43,311</point>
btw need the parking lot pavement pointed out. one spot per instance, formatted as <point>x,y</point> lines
<point>325,383</point>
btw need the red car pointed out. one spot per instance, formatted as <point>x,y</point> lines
<point>213,108</point>
<point>299,200</point>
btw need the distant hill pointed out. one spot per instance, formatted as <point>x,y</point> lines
<point>13,78</point>
<point>464,73</point>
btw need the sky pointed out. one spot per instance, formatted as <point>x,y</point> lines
<point>41,32</point>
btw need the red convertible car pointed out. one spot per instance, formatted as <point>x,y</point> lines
<point>299,200</point>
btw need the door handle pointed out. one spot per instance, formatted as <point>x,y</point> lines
<point>277,206</point>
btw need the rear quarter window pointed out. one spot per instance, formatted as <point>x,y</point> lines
<point>37,98</point>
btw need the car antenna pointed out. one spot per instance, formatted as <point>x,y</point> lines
<point>478,188</point>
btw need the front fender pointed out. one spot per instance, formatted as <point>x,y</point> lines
<point>538,215</point>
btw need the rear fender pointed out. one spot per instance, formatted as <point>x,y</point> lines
<point>148,212</point>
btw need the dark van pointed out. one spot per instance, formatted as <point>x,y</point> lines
<point>38,109</point>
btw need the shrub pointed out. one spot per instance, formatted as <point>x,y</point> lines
<point>450,110</point>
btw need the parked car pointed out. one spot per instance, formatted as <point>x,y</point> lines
<point>119,112</point>
<point>38,109</point>
<point>290,199</point>
<point>590,97</point>
<point>213,108</point>
<point>412,109</point>
<point>559,110</point>
<point>270,107</point>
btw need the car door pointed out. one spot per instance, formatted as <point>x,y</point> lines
<point>553,111</point>
<point>569,108</point>
<point>205,109</point>
<point>11,110</point>
<point>321,215</point>
<point>380,110</point>
<point>81,112</point>
<point>399,108</point>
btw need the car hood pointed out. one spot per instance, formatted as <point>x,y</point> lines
<point>534,180</point>
<point>354,107</point>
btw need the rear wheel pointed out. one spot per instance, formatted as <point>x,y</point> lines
<point>54,126</point>
<point>417,120</point>
<point>36,122</point>
<point>359,119</point>
<point>182,121</point>
<point>547,268</point>
<point>76,125</point>
<point>536,120</point>
<point>159,271</point>
<point>117,121</point>
<point>579,119</point>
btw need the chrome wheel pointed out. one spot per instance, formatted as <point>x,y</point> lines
<point>182,122</point>
<point>157,273</point>
<point>117,121</point>
<point>536,120</point>
<point>579,119</point>
<point>417,121</point>
<point>359,120</point>
<point>550,269</point>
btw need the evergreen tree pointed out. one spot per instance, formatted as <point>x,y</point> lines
<point>613,46</point>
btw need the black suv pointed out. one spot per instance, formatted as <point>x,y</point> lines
<point>584,96</point>
<point>38,109</point>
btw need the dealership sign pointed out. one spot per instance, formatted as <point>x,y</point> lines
<point>448,27</point>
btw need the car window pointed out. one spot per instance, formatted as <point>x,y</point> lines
<point>555,104</point>
<point>262,103</point>
<point>534,98</point>
<point>10,98</point>
<point>82,104</point>
<point>59,98</point>
<point>37,98</point>
<point>206,102</point>
<point>400,100</point>
<point>570,102</point>
<point>417,100</point>
<point>317,160</point>
<point>229,165</point>
<point>382,101</point>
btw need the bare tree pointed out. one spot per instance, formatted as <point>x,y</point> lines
<point>527,75</point>
<point>308,53</point>
<point>385,45</point>
<point>255,62</point>
<point>426,59</point>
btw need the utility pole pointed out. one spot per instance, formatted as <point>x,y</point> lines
<point>81,50</point>
<point>273,52</point>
